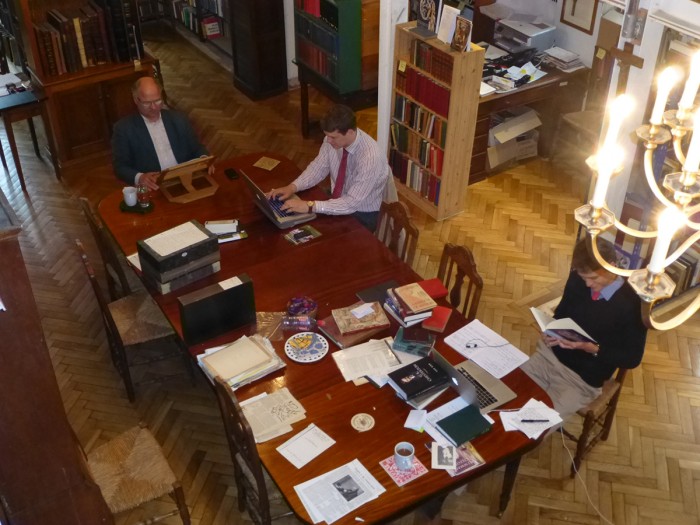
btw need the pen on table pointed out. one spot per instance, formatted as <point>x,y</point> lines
<point>534,420</point>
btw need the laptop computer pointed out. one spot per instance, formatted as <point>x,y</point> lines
<point>271,209</point>
<point>474,384</point>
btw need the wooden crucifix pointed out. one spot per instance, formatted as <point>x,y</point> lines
<point>625,58</point>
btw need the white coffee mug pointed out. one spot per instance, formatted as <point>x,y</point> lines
<point>129,196</point>
<point>403,455</point>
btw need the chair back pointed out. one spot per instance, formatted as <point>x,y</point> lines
<point>244,453</point>
<point>457,270</point>
<point>396,231</point>
<point>117,282</point>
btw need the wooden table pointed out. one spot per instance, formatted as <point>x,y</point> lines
<point>331,268</point>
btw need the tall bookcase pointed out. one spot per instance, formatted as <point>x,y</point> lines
<point>435,104</point>
<point>339,41</point>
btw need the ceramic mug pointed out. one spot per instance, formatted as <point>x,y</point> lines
<point>130,196</point>
<point>403,455</point>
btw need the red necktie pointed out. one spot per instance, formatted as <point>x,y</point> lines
<point>340,180</point>
<point>595,295</point>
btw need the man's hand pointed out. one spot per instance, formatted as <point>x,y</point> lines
<point>590,348</point>
<point>150,180</point>
<point>282,193</point>
<point>211,169</point>
<point>295,205</point>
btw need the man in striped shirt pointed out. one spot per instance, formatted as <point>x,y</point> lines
<point>359,172</point>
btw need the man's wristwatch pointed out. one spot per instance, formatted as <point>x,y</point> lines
<point>310,204</point>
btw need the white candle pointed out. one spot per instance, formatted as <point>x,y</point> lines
<point>667,79</point>
<point>608,161</point>
<point>669,221</point>
<point>618,110</point>
<point>692,158</point>
<point>691,85</point>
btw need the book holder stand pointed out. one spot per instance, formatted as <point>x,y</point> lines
<point>188,181</point>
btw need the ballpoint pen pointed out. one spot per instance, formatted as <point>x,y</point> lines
<point>534,420</point>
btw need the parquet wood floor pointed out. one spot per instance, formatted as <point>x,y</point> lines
<point>519,224</point>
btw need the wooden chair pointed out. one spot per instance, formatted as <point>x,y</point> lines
<point>257,493</point>
<point>598,417</point>
<point>396,231</point>
<point>131,470</point>
<point>135,325</point>
<point>457,269</point>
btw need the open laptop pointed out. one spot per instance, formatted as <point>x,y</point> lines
<point>271,209</point>
<point>474,384</point>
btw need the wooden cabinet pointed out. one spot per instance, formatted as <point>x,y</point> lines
<point>435,104</point>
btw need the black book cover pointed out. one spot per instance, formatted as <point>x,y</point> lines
<point>419,377</point>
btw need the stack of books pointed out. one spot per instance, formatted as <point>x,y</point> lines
<point>418,379</point>
<point>354,324</point>
<point>409,304</point>
<point>241,362</point>
<point>414,340</point>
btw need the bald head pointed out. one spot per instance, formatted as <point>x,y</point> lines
<point>147,97</point>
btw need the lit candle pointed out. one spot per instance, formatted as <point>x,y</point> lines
<point>692,158</point>
<point>617,112</point>
<point>608,161</point>
<point>667,79</point>
<point>669,221</point>
<point>691,85</point>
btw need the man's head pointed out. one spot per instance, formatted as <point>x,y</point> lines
<point>587,266</point>
<point>340,126</point>
<point>147,97</point>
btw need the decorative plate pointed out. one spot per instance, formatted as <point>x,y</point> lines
<point>362,422</point>
<point>306,347</point>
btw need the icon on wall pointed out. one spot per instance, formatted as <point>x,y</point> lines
<point>579,14</point>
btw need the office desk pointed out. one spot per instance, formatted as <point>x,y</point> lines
<point>555,93</point>
<point>331,268</point>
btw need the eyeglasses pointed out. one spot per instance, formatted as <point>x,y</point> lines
<point>150,103</point>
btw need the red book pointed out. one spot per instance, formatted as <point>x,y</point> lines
<point>434,288</point>
<point>438,321</point>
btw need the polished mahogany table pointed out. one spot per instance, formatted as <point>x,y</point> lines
<point>331,269</point>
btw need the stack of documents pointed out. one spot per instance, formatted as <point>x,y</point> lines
<point>272,415</point>
<point>371,358</point>
<point>533,419</point>
<point>562,59</point>
<point>335,494</point>
<point>241,362</point>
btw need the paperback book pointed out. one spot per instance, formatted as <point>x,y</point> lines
<point>562,328</point>
<point>414,298</point>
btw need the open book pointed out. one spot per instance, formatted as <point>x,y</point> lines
<point>561,328</point>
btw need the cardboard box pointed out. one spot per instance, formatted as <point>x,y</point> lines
<point>515,122</point>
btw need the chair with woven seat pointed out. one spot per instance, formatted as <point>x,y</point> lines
<point>131,470</point>
<point>396,231</point>
<point>457,270</point>
<point>135,325</point>
<point>598,417</point>
<point>257,493</point>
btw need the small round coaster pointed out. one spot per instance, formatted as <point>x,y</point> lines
<point>362,422</point>
<point>306,347</point>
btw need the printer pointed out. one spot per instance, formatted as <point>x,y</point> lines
<point>515,36</point>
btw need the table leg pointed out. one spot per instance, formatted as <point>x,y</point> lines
<point>13,147</point>
<point>32,132</point>
<point>508,482</point>
<point>304,104</point>
<point>46,119</point>
<point>4,160</point>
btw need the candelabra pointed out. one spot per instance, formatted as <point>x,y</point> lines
<point>652,283</point>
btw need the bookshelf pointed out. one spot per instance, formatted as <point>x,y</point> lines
<point>435,104</point>
<point>338,40</point>
<point>87,79</point>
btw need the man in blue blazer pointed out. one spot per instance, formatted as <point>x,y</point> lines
<point>153,139</point>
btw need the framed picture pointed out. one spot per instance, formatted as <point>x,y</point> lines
<point>579,14</point>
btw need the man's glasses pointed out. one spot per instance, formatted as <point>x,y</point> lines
<point>150,103</point>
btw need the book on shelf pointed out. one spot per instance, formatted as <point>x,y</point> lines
<point>437,322</point>
<point>360,317</point>
<point>418,378</point>
<point>562,328</point>
<point>414,298</point>
<point>463,425</point>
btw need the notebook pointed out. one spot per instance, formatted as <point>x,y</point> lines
<point>474,384</point>
<point>280,219</point>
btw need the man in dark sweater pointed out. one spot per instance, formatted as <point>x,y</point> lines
<point>608,309</point>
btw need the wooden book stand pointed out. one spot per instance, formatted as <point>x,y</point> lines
<point>188,181</point>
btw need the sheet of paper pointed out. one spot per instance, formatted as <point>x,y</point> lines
<point>404,358</point>
<point>487,349</point>
<point>416,420</point>
<point>305,446</point>
<point>273,414</point>
<point>175,239</point>
<point>448,21</point>
<point>266,163</point>
<point>362,310</point>
<point>371,358</point>
<point>134,260</point>
<point>532,420</point>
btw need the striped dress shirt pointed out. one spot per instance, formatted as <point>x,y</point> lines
<point>365,176</point>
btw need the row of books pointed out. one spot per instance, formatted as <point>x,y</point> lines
<point>420,119</point>
<point>413,175</point>
<point>217,7</point>
<point>101,31</point>
<point>324,64</point>
<point>185,13</point>
<point>433,60</point>
<point>410,143</point>
<point>318,35</point>
<point>424,89</point>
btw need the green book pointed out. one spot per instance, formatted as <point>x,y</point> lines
<point>464,425</point>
